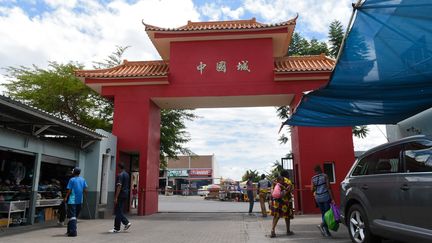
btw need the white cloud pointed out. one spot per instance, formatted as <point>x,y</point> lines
<point>91,35</point>
<point>315,15</point>
<point>216,12</point>
<point>241,138</point>
<point>61,3</point>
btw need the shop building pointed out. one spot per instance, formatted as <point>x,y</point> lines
<point>188,173</point>
<point>37,154</point>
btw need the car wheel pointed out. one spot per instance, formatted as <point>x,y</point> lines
<point>358,226</point>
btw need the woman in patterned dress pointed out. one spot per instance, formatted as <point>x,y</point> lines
<point>283,207</point>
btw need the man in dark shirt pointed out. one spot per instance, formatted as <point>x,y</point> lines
<point>120,198</point>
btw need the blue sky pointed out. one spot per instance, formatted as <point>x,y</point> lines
<point>38,31</point>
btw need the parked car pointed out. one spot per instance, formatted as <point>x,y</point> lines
<point>388,193</point>
<point>203,191</point>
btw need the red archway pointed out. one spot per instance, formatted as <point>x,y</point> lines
<point>218,64</point>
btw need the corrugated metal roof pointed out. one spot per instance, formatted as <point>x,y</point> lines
<point>25,118</point>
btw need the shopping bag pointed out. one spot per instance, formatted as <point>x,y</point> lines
<point>336,212</point>
<point>330,220</point>
<point>277,192</point>
<point>62,212</point>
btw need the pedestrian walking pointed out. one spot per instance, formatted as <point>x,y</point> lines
<point>76,187</point>
<point>134,196</point>
<point>323,196</point>
<point>282,207</point>
<point>263,188</point>
<point>121,196</point>
<point>250,193</point>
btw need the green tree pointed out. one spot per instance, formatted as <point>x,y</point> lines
<point>316,47</point>
<point>360,131</point>
<point>335,35</point>
<point>276,170</point>
<point>173,134</point>
<point>300,46</point>
<point>254,173</point>
<point>57,90</point>
<point>114,59</point>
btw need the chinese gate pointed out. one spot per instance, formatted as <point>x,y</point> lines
<point>219,64</point>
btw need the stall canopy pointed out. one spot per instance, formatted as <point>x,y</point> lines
<point>384,73</point>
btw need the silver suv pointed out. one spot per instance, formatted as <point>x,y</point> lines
<point>388,193</point>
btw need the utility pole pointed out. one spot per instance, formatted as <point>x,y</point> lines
<point>189,174</point>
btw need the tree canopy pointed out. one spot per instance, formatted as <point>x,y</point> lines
<point>335,35</point>
<point>254,173</point>
<point>57,90</point>
<point>173,134</point>
<point>300,46</point>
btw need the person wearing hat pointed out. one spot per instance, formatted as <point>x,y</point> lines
<point>76,187</point>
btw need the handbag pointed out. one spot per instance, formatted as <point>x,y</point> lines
<point>277,192</point>
<point>329,219</point>
<point>336,212</point>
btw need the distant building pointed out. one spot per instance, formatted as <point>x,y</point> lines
<point>186,174</point>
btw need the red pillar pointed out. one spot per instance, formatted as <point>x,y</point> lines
<point>137,127</point>
<point>316,145</point>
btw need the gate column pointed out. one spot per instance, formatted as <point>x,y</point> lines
<point>319,145</point>
<point>137,127</point>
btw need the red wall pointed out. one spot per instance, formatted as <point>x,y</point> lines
<point>137,127</point>
<point>186,56</point>
<point>316,145</point>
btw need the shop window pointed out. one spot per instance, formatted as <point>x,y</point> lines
<point>329,170</point>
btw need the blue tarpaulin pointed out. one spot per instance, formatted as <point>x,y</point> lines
<point>384,73</point>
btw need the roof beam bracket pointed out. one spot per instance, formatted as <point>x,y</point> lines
<point>86,144</point>
<point>40,130</point>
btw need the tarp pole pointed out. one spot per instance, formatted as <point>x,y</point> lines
<point>355,7</point>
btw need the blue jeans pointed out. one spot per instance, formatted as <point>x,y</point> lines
<point>251,200</point>
<point>324,207</point>
<point>119,216</point>
<point>73,211</point>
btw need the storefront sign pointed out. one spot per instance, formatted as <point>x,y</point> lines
<point>200,172</point>
<point>178,173</point>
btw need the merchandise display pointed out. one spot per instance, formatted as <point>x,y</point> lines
<point>16,179</point>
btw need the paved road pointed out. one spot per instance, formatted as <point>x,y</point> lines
<point>192,220</point>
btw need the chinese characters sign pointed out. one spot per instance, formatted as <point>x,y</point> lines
<point>221,66</point>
